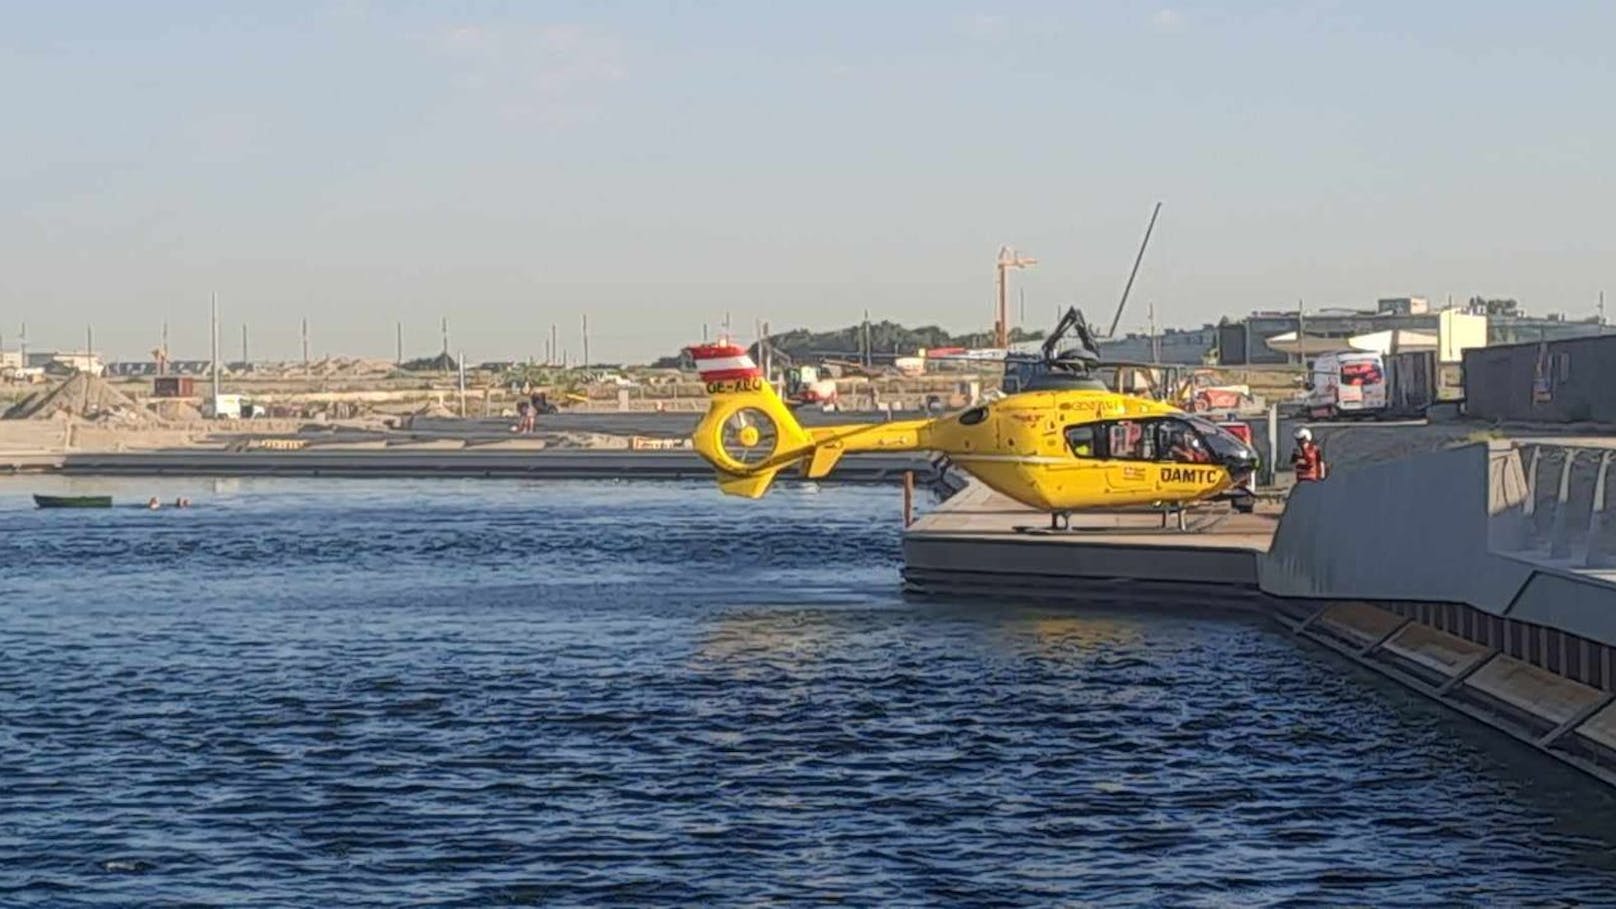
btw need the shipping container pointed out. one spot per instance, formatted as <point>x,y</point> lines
<point>1411,382</point>
<point>1568,381</point>
<point>174,386</point>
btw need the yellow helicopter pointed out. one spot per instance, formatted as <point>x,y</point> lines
<point>1059,442</point>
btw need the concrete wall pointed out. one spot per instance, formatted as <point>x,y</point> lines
<point>1414,529</point>
<point>1573,381</point>
<point>1478,525</point>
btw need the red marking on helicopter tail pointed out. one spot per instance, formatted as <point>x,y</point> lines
<point>724,362</point>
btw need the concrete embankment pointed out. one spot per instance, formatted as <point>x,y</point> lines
<point>1481,576</point>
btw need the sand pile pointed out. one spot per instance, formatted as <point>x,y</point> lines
<point>171,410</point>
<point>350,367</point>
<point>326,368</point>
<point>83,397</point>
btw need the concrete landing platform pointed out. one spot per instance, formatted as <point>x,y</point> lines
<point>980,543</point>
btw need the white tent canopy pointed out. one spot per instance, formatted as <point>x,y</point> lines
<point>1383,342</point>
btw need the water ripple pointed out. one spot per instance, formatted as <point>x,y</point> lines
<point>338,693</point>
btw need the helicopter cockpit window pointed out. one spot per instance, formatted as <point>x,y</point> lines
<point>1221,443</point>
<point>973,416</point>
<point>1177,441</point>
<point>1081,440</point>
<point>1130,440</point>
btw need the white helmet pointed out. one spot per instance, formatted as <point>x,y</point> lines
<point>1303,434</point>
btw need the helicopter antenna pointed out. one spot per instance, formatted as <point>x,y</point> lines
<point>1132,274</point>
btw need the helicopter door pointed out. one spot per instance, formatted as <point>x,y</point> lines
<point>1130,446</point>
<point>1086,470</point>
<point>1187,465</point>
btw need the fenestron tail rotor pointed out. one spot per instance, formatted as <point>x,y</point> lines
<point>748,436</point>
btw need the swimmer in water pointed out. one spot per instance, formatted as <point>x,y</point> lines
<point>153,504</point>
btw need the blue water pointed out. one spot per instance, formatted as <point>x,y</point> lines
<point>325,693</point>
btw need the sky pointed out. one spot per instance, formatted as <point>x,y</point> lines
<point>663,166</point>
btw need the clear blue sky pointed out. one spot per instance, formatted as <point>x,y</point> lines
<point>658,164</point>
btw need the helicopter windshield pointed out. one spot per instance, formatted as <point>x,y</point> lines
<point>1222,443</point>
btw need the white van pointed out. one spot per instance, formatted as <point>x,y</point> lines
<point>1346,384</point>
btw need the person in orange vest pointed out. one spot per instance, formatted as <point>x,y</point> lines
<point>1307,459</point>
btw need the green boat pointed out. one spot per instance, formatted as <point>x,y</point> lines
<point>73,501</point>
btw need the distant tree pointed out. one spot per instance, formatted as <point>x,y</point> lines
<point>440,363</point>
<point>887,339</point>
<point>1507,307</point>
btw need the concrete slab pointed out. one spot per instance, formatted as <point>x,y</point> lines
<point>1359,622</point>
<point>428,445</point>
<point>377,445</point>
<point>510,445</point>
<point>1601,728</point>
<point>21,461</point>
<point>1536,691</point>
<point>1435,650</point>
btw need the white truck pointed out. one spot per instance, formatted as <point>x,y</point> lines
<point>1346,384</point>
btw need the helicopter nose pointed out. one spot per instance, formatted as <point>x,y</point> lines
<point>1240,459</point>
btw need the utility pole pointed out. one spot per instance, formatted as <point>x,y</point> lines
<point>586,341</point>
<point>767,353</point>
<point>244,359</point>
<point>89,342</point>
<point>398,357</point>
<point>1155,341</point>
<point>162,352</point>
<point>704,332</point>
<point>462,365</point>
<point>446,335</point>
<point>554,346</point>
<point>213,335</point>
<point>22,344</point>
<point>1601,312</point>
<point>305,347</point>
<point>1301,334</point>
<point>1008,259</point>
<point>864,346</point>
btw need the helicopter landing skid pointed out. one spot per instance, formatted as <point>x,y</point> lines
<point>1060,524</point>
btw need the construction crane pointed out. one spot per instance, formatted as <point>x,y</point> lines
<point>1008,259</point>
<point>1134,273</point>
